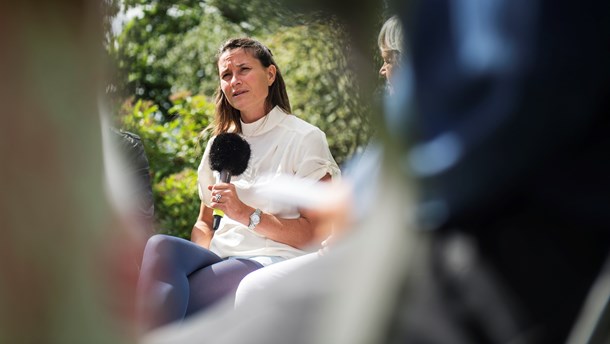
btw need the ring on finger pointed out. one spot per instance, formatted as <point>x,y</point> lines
<point>217,197</point>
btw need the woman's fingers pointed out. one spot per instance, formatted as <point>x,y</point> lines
<point>218,198</point>
<point>223,196</point>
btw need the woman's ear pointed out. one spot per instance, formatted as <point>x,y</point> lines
<point>271,71</point>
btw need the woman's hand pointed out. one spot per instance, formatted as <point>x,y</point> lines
<point>224,197</point>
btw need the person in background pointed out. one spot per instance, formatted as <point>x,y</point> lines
<point>136,171</point>
<point>63,252</point>
<point>180,277</point>
<point>390,42</point>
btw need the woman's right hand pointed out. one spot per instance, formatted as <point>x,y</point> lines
<point>224,197</point>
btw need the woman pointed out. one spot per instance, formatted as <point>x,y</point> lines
<point>179,277</point>
<point>364,174</point>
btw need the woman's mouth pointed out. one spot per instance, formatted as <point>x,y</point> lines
<point>238,93</point>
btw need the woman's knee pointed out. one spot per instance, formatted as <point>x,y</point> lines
<point>161,244</point>
<point>161,251</point>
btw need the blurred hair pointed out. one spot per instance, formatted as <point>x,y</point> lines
<point>391,37</point>
<point>226,117</point>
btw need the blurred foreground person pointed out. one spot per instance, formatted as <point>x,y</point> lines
<point>511,158</point>
<point>61,273</point>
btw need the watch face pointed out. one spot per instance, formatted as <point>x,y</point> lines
<point>255,218</point>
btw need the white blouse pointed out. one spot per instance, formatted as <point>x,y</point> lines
<point>281,144</point>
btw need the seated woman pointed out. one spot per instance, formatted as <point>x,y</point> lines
<point>179,277</point>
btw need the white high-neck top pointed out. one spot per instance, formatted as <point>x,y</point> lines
<point>281,144</point>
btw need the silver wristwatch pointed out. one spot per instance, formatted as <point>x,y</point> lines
<point>255,219</point>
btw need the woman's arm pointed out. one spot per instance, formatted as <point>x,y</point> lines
<point>202,232</point>
<point>298,232</point>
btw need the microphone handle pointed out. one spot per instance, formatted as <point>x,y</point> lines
<point>225,177</point>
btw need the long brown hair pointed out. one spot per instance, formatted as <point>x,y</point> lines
<point>226,117</point>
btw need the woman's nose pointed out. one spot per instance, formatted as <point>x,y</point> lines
<point>235,80</point>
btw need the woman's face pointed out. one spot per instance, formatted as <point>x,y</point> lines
<point>389,64</point>
<point>245,82</point>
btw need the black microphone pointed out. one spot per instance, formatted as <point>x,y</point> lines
<point>229,155</point>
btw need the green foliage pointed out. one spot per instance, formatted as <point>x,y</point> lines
<point>322,89</point>
<point>145,42</point>
<point>174,145</point>
<point>177,203</point>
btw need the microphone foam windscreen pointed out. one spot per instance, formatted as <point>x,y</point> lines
<point>229,152</point>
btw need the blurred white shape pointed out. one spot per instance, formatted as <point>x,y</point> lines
<point>302,192</point>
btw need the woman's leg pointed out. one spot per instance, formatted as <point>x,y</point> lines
<point>217,281</point>
<point>163,285</point>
